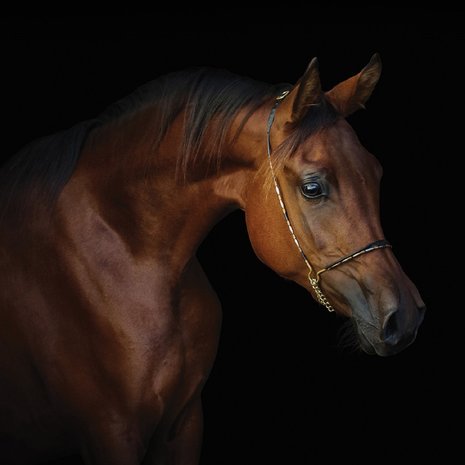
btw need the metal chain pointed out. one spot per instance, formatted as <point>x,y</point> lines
<point>319,293</point>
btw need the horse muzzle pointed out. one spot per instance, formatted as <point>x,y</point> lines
<point>395,332</point>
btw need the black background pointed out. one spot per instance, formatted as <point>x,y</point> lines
<point>282,390</point>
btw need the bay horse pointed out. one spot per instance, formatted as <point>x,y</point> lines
<point>109,327</point>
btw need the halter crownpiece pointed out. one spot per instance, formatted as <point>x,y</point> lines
<point>313,277</point>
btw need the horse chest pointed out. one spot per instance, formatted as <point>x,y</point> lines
<point>147,368</point>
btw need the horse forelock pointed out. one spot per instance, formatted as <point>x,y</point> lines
<point>316,119</point>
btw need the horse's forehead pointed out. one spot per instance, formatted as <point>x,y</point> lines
<point>335,143</point>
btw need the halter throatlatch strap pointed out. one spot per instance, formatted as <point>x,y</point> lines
<point>313,277</point>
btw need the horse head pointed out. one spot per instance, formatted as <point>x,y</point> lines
<point>327,185</point>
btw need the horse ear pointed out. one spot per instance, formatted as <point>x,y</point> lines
<point>304,94</point>
<point>352,94</point>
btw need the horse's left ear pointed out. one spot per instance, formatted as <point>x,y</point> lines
<point>303,95</point>
<point>352,94</point>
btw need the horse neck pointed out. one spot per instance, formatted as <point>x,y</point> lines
<point>139,194</point>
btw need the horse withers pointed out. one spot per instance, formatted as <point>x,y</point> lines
<point>109,327</point>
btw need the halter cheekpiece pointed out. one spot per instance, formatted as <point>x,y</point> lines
<point>313,276</point>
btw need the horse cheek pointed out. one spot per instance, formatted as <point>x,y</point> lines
<point>268,233</point>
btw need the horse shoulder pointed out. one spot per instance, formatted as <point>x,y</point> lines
<point>200,315</point>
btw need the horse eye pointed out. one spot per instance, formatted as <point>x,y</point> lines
<point>312,189</point>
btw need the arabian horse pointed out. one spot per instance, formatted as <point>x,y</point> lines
<point>109,327</point>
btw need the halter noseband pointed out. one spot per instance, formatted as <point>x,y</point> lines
<point>314,281</point>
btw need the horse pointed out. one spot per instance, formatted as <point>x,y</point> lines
<point>109,326</point>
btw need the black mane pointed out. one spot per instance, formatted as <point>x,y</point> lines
<point>206,93</point>
<point>45,165</point>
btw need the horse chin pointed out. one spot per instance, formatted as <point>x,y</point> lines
<point>350,336</point>
<point>380,348</point>
<point>374,348</point>
<point>365,345</point>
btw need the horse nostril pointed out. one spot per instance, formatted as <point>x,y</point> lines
<point>391,327</point>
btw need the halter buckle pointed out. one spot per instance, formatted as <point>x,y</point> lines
<point>281,96</point>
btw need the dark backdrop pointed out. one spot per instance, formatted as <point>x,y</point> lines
<point>282,390</point>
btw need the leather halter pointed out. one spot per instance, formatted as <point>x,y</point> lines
<point>313,276</point>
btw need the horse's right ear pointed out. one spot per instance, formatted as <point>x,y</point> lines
<point>306,93</point>
<point>352,94</point>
